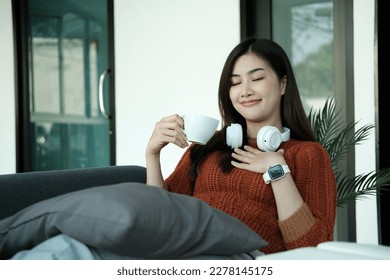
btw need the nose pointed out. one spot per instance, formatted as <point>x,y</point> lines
<point>246,90</point>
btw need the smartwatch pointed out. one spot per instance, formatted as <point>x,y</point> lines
<point>275,172</point>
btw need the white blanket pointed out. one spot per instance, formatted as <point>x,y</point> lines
<point>63,247</point>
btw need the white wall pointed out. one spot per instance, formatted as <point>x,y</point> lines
<point>7,92</point>
<point>364,75</point>
<point>169,56</point>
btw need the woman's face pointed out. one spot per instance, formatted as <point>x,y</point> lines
<point>256,90</point>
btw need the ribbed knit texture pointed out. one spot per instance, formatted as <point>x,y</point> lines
<point>244,194</point>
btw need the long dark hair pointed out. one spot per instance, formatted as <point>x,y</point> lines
<point>292,113</point>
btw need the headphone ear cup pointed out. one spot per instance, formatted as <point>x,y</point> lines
<point>234,135</point>
<point>269,138</point>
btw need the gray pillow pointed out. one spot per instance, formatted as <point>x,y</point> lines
<point>130,219</point>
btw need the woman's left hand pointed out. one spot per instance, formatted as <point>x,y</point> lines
<point>255,160</point>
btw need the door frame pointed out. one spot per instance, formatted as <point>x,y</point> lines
<point>22,84</point>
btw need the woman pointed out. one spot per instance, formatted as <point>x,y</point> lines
<point>257,89</point>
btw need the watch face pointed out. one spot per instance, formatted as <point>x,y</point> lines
<point>276,172</point>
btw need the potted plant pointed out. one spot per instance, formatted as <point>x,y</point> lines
<point>337,140</point>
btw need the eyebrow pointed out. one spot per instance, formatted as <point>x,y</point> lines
<point>249,72</point>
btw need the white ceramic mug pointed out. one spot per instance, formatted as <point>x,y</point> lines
<point>199,128</point>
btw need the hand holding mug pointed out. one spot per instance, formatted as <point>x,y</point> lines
<point>167,130</point>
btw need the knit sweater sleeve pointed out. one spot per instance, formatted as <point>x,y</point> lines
<point>314,221</point>
<point>179,181</point>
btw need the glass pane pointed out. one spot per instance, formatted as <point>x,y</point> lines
<point>305,30</point>
<point>74,90</point>
<point>68,52</point>
<point>44,65</point>
<point>93,78</point>
<point>61,146</point>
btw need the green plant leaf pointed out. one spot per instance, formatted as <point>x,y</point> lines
<point>362,186</point>
<point>338,139</point>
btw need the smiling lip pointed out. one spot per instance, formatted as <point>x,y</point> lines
<point>250,102</point>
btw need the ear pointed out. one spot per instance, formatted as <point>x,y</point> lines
<point>283,84</point>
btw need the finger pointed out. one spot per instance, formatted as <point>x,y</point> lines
<point>179,143</point>
<point>251,150</point>
<point>174,135</point>
<point>244,153</point>
<point>164,139</point>
<point>174,122</point>
<point>240,152</point>
<point>179,119</point>
<point>168,131</point>
<point>175,118</point>
<point>240,165</point>
<point>241,158</point>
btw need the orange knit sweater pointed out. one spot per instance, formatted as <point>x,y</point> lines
<point>244,194</point>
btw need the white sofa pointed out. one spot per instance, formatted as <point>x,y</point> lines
<point>333,250</point>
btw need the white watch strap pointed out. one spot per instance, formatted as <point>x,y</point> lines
<point>267,178</point>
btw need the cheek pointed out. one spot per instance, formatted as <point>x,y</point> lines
<point>234,94</point>
<point>234,100</point>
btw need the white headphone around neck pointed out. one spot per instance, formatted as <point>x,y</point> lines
<point>269,137</point>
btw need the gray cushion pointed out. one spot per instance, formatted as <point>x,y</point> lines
<point>130,219</point>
